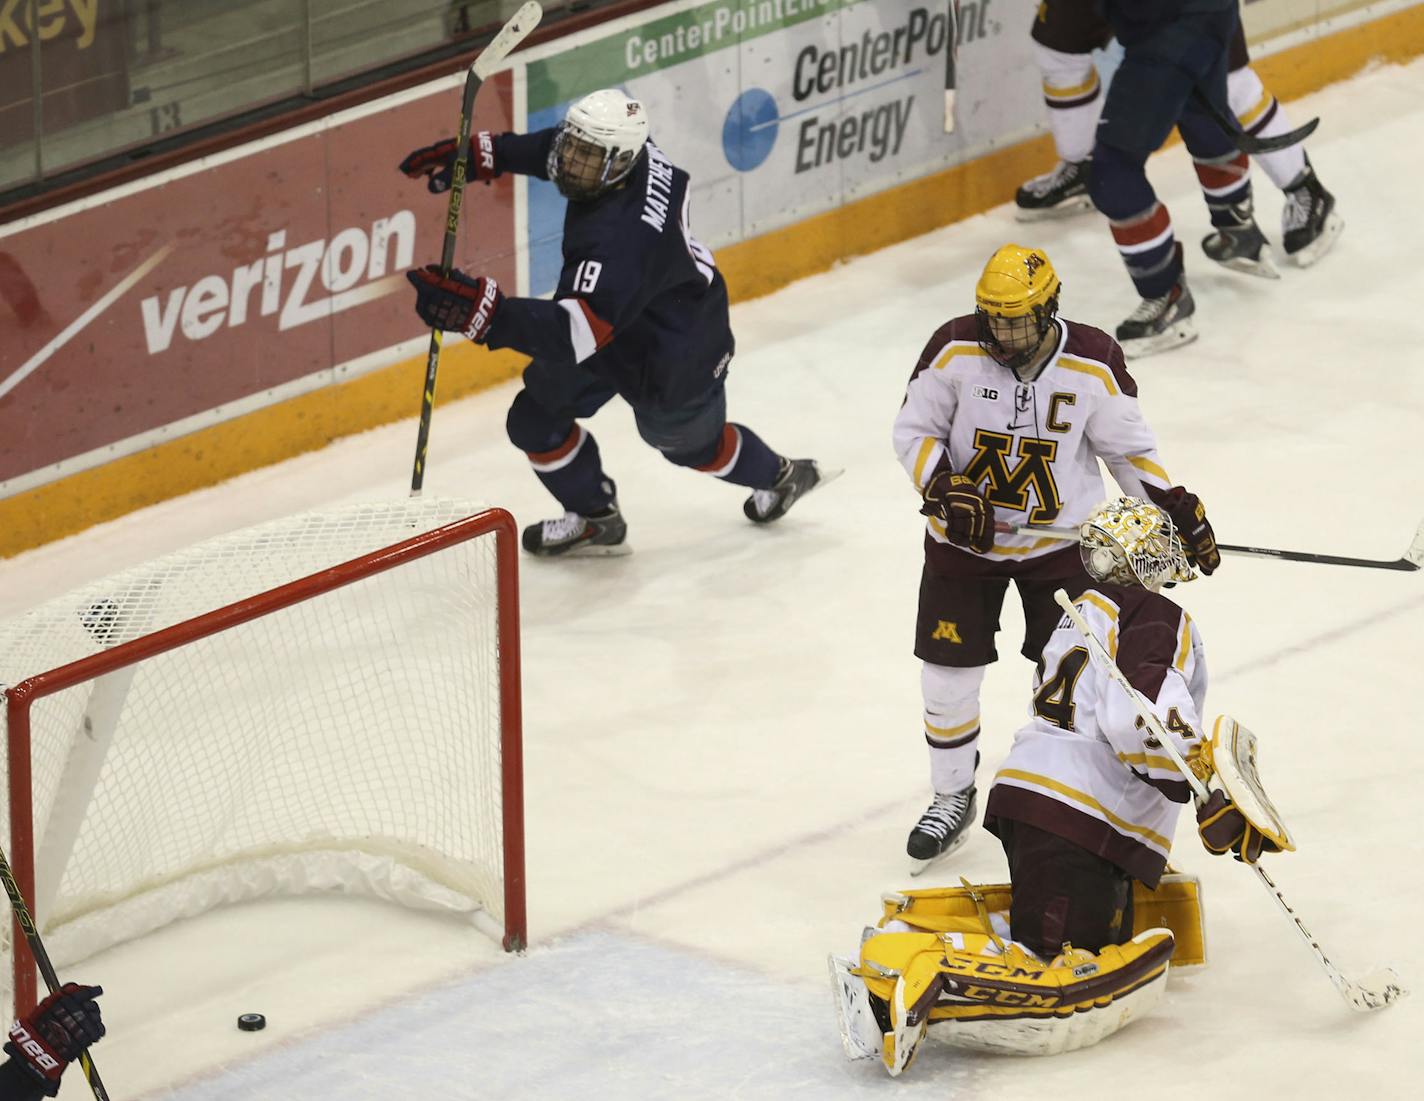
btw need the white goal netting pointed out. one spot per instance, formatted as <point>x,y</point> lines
<point>350,742</point>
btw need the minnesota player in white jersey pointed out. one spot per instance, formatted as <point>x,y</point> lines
<point>1085,806</point>
<point>1006,416</point>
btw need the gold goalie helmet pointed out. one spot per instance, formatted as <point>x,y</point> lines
<point>1016,300</point>
<point>1131,542</point>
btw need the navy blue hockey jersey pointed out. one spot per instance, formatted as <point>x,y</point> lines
<point>639,302</point>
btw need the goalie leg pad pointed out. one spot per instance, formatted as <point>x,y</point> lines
<point>1175,904</point>
<point>1014,1007</point>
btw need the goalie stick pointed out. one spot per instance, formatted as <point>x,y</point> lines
<point>510,35</point>
<point>1249,143</point>
<point>42,961</point>
<point>1377,989</point>
<point>1413,558</point>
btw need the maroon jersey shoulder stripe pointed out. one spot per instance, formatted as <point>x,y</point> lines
<point>1094,344</point>
<point>959,328</point>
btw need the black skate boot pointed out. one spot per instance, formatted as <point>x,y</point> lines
<point>603,534</point>
<point>1240,245</point>
<point>1057,193</point>
<point>941,829</point>
<point>1159,324</point>
<point>796,478</point>
<point>1309,224</point>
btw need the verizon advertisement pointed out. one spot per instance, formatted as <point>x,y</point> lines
<point>230,285</point>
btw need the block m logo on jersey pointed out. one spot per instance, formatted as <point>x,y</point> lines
<point>1009,487</point>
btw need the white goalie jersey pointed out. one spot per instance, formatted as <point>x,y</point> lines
<point>1031,448</point>
<point>1084,767</point>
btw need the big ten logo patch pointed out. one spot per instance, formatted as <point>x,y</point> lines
<point>946,631</point>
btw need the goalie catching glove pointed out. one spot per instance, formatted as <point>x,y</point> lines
<point>456,303</point>
<point>44,1041</point>
<point>967,515</point>
<point>1236,816</point>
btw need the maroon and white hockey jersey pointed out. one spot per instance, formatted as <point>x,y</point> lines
<point>1031,448</point>
<point>1084,767</point>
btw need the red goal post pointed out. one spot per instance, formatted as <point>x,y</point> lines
<point>356,728</point>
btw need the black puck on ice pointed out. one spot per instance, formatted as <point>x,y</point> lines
<point>252,1022</point>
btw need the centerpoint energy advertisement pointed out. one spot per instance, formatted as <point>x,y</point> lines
<point>785,108</point>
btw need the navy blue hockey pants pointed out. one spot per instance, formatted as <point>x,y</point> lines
<point>542,422</point>
<point>1151,92</point>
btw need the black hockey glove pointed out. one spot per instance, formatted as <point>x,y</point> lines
<point>45,1040</point>
<point>1188,515</point>
<point>967,515</point>
<point>437,162</point>
<point>455,303</point>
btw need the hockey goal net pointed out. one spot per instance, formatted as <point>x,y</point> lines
<point>328,702</point>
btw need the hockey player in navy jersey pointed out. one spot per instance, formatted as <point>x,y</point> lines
<point>1176,53</point>
<point>1065,34</point>
<point>640,311</point>
<point>41,1044</point>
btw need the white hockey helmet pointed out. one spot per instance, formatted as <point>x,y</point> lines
<point>598,144</point>
<point>1131,542</point>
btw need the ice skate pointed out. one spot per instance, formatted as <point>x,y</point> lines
<point>1241,245</point>
<point>1309,224</point>
<point>1159,324</point>
<point>943,828</point>
<point>1055,194</point>
<point>796,479</point>
<point>602,534</point>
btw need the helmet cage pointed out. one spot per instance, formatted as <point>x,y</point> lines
<point>1131,542</point>
<point>1027,331</point>
<point>583,168</point>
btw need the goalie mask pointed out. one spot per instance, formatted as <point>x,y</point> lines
<point>1131,542</point>
<point>597,145</point>
<point>1016,300</point>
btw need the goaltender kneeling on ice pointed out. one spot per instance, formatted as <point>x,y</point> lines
<point>1085,805</point>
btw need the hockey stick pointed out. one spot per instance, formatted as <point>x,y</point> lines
<point>1375,990</point>
<point>1249,143</point>
<point>510,35</point>
<point>1413,558</point>
<point>37,949</point>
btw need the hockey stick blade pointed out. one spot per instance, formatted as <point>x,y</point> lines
<point>1249,143</point>
<point>1413,558</point>
<point>510,35</point>
<point>1377,990</point>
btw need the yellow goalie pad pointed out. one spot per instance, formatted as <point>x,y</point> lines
<point>1175,904</point>
<point>977,991</point>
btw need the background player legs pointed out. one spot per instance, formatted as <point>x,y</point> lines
<point>1065,34</point>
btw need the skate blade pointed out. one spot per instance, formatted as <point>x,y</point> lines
<point>1262,267</point>
<point>1322,244</point>
<point>597,550</point>
<point>1079,204</point>
<point>1183,332</point>
<point>919,867</point>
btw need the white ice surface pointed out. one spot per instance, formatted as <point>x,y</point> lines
<point>724,746</point>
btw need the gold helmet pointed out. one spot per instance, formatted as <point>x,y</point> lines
<point>1131,542</point>
<point>1020,287</point>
